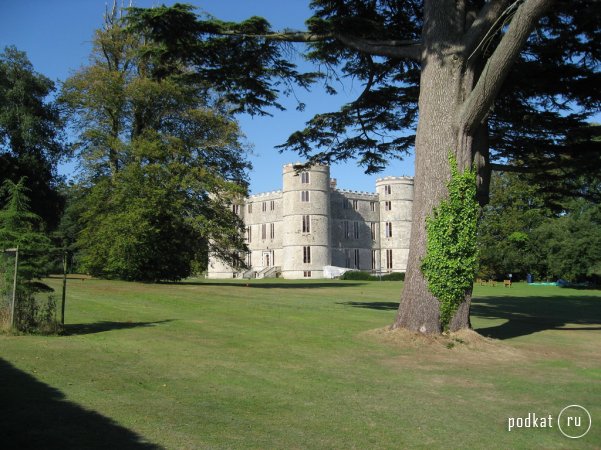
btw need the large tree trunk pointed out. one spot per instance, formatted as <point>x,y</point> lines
<point>442,86</point>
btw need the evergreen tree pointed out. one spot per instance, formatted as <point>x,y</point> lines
<point>20,227</point>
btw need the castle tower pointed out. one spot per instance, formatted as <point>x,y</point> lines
<point>306,222</point>
<point>396,202</point>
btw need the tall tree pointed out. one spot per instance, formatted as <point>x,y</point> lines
<point>160,162</point>
<point>481,83</point>
<point>505,235</point>
<point>20,227</point>
<point>30,133</point>
<point>570,244</point>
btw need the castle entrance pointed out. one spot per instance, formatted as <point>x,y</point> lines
<point>267,259</point>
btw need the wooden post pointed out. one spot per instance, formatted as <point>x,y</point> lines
<point>12,305</point>
<point>64,288</point>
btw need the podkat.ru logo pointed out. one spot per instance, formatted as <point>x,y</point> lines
<point>573,421</point>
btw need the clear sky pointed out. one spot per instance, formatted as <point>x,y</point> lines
<point>57,34</point>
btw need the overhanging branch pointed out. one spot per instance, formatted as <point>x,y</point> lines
<point>389,48</point>
<point>480,100</point>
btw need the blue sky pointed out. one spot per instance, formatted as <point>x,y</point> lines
<point>57,34</point>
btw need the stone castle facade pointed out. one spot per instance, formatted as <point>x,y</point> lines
<point>310,225</point>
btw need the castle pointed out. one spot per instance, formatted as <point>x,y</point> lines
<point>310,225</point>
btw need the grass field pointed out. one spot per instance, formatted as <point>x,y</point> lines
<point>283,364</point>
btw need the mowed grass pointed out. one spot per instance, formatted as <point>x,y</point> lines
<point>285,364</point>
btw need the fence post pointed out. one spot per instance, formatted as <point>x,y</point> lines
<point>64,287</point>
<point>12,305</point>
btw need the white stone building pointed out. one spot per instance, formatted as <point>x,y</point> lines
<point>310,224</point>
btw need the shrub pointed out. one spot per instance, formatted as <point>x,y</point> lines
<point>394,276</point>
<point>356,275</point>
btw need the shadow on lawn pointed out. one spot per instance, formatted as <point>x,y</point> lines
<point>527,315</point>
<point>37,416</point>
<point>99,327</point>
<point>382,306</point>
<point>259,285</point>
<point>524,315</point>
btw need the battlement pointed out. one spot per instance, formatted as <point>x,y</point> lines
<point>362,193</point>
<point>404,178</point>
<point>262,195</point>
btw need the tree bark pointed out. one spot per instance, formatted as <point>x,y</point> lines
<point>456,94</point>
<point>442,86</point>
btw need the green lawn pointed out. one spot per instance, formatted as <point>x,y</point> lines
<point>282,364</point>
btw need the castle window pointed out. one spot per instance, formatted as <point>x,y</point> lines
<point>388,229</point>
<point>305,177</point>
<point>346,230</point>
<point>373,260</point>
<point>272,230</point>
<point>249,259</point>
<point>355,204</point>
<point>264,206</point>
<point>250,208</point>
<point>356,258</point>
<point>389,259</point>
<point>304,196</point>
<point>307,274</point>
<point>272,205</point>
<point>345,203</point>
<point>372,206</point>
<point>347,253</point>
<point>306,254</point>
<point>356,229</point>
<point>387,189</point>
<point>264,231</point>
<point>249,234</point>
<point>236,209</point>
<point>388,206</point>
<point>306,224</point>
<point>374,230</point>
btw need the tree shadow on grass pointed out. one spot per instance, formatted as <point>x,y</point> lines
<point>34,415</point>
<point>99,327</point>
<point>527,315</point>
<point>381,306</point>
<point>524,315</point>
<point>259,285</point>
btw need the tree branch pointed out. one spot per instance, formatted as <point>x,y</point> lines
<point>481,25</point>
<point>390,48</point>
<point>477,105</point>
<point>286,36</point>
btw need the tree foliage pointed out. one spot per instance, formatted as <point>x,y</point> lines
<point>505,234</point>
<point>519,234</point>
<point>20,227</point>
<point>30,133</point>
<point>161,162</point>
<point>570,245</point>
